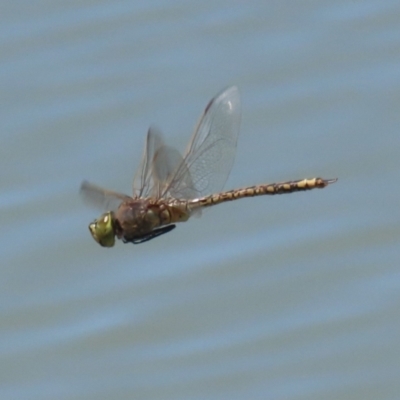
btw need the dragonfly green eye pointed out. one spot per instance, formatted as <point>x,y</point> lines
<point>102,230</point>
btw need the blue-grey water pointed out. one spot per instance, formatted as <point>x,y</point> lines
<point>285,297</point>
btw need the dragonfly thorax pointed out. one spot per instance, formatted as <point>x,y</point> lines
<point>136,218</point>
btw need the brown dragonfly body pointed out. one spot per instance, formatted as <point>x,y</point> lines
<point>169,188</point>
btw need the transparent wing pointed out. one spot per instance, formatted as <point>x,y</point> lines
<point>158,166</point>
<point>166,163</point>
<point>211,151</point>
<point>104,199</point>
<point>143,182</point>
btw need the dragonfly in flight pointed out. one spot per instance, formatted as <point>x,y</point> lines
<point>169,188</point>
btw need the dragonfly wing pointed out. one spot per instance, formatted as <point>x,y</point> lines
<point>143,182</point>
<point>166,163</point>
<point>158,166</point>
<point>101,198</point>
<point>211,151</point>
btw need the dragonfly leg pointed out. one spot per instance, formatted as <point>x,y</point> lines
<point>151,235</point>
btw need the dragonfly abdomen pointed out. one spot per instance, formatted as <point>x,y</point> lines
<point>294,186</point>
<point>261,190</point>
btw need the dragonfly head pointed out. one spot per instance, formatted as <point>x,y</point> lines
<point>102,230</point>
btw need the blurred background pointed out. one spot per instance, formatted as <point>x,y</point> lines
<point>285,297</point>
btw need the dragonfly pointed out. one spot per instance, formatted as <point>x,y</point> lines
<point>169,188</point>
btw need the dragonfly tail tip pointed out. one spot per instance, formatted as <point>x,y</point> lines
<point>330,181</point>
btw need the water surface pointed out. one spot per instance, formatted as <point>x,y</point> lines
<point>286,297</point>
